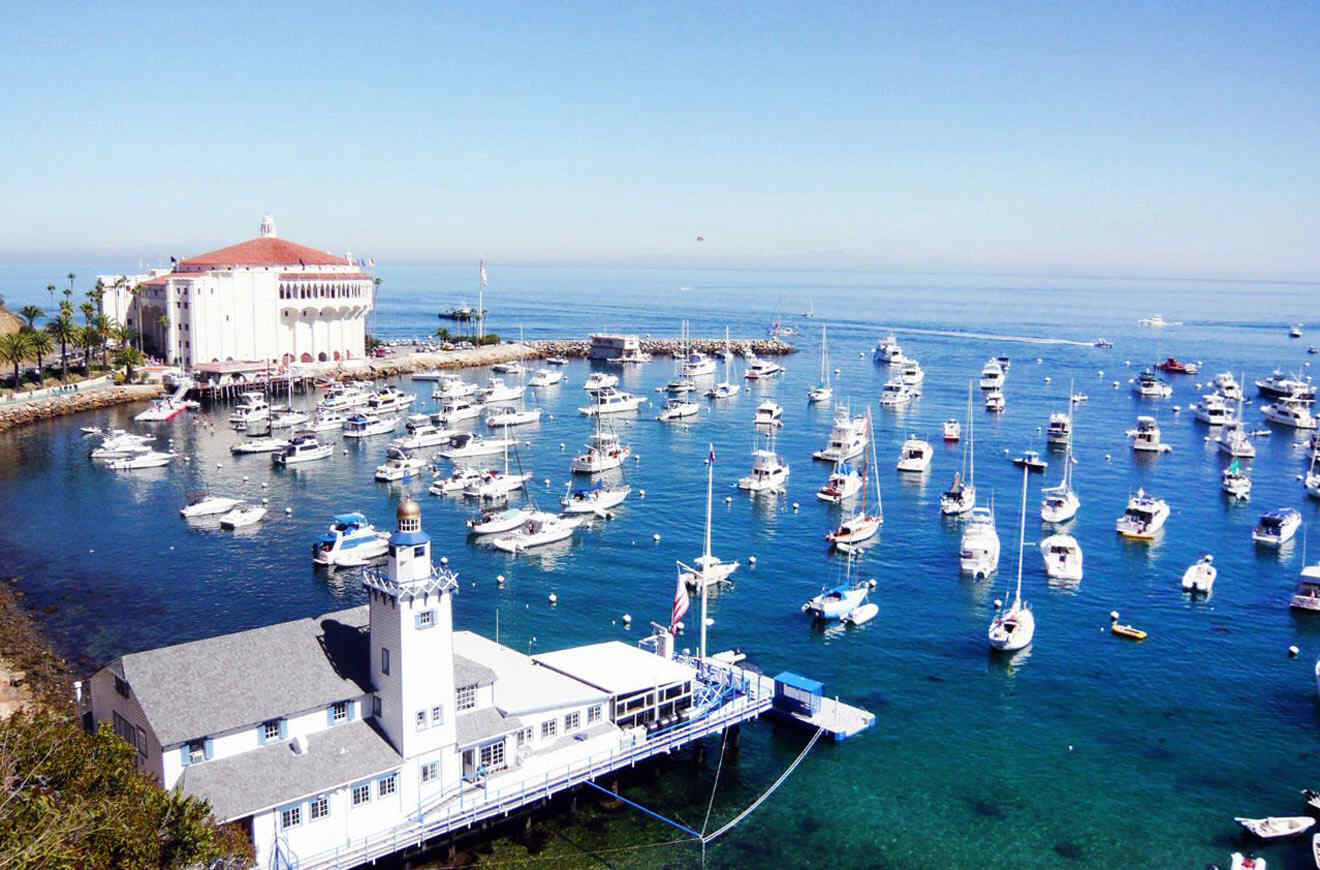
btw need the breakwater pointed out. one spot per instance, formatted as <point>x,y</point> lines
<point>72,403</point>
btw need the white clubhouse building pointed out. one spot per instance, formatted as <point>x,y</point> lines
<point>343,738</point>
<point>265,300</point>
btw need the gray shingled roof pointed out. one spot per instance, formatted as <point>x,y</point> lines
<point>205,687</point>
<point>273,775</point>
<point>483,724</point>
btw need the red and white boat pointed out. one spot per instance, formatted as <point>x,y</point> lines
<point>1176,367</point>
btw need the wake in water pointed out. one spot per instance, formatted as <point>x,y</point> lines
<point>1024,339</point>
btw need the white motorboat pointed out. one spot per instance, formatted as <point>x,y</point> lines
<point>508,415</point>
<point>1156,321</point>
<point>1148,386</point>
<point>678,409</point>
<point>1060,503</point>
<point>961,496</point>
<point>1200,575</point>
<point>1144,517</point>
<point>242,517</point>
<point>1312,478</point>
<point>769,471</point>
<point>1213,410</point>
<point>121,444</point>
<point>1233,439</point>
<point>204,505</point>
<point>389,400</point>
<point>843,483</point>
<point>545,378</point>
<point>698,365</point>
<point>1236,482</point>
<point>556,361</point>
<point>757,369</point>
<point>1307,594</point>
<point>1146,437</point>
<point>992,375</point>
<point>537,530</point>
<point>604,452</point>
<point>1275,827</point>
<point>494,484</point>
<point>251,407</point>
<point>1276,527</point>
<point>287,418</point>
<point>366,425</point>
<point>1059,428</point>
<point>454,387</point>
<point>864,524</point>
<point>595,499</point>
<point>399,464</point>
<point>1014,627</point>
<point>597,381</point>
<point>1228,386</point>
<point>342,397</point>
<point>325,421</point>
<point>498,391</point>
<point>680,387</point>
<point>1289,413</point>
<point>1030,460</point>
<point>161,410</point>
<point>847,439</point>
<point>149,459</point>
<point>915,455</point>
<point>768,413</point>
<point>302,447</point>
<point>469,445</point>
<point>911,374</point>
<point>424,436</point>
<point>952,430</point>
<point>458,409</point>
<point>822,391</point>
<point>428,375</point>
<point>994,401</point>
<point>493,522</point>
<point>611,401</point>
<point>350,541</point>
<point>1238,861</point>
<point>1062,556</point>
<point>508,367</point>
<point>896,394</point>
<point>456,482</point>
<point>888,351</point>
<point>1295,331</point>
<point>978,553</point>
<point>259,445</point>
<point>1281,386</point>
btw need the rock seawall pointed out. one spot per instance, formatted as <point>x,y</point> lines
<point>22,413</point>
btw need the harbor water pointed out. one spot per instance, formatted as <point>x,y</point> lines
<point>1084,750</point>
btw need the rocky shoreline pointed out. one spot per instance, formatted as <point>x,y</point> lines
<point>22,413</point>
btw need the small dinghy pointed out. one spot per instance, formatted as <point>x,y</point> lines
<point>241,517</point>
<point>862,613</point>
<point>1124,629</point>
<point>1246,862</point>
<point>1200,577</point>
<point>1275,827</point>
<point>1031,460</point>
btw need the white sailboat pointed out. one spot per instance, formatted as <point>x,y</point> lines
<point>1061,502</point>
<point>961,497</point>
<point>1013,629</point>
<point>863,525</point>
<point>822,391</point>
<point>709,570</point>
<point>726,388</point>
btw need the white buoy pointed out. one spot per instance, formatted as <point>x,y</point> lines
<point>998,604</point>
<point>795,507</point>
<point>1292,650</point>
<point>172,547</point>
<point>641,493</point>
<point>288,510</point>
<point>751,560</point>
<point>187,459</point>
<point>1106,457</point>
<point>637,457</point>
<point>561,445</point>
<point>678,627</point>
<point>554,599</point>
<point>245,478</point>
<point>264,484</point>
<point>1039,360</point>
<point>218,465</point>
<point>547,481</point>
<point>627,619</point>
<point>1113,616</point>
<point>264,501</point>
<point>710,620</point>
<point>444,560</point>
<point>499,579</point>
<point>871,583</point>
<point>656,537</point>
<point>345,451</point>
<point>1047,379</point>
<point>728,499</point>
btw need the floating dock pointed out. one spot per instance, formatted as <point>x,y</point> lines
<point>802,700</point>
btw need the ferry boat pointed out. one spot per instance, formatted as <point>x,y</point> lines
<point>366,425</point>
<point>596,499</point>
<point>1144,517</point>
<point>389,399</point>
<point>539,529</point>
<point>597,381</point>
<point>302,447</point>
<point>848,438</point>
<point>914,456</point>
<point>1288,413</point>
<point>1213,410</point>
<point>1173,366</point>
<point>992,375</point>
<point>1280,386</point>
<point>399,464</point>
<point>1062,556</point>
<point>458,409</point>
<point>1277,527</point>
<point>769,471</point>
<point>698,365</point>
<point>498,391</point>
<point>454,387</point>
<point>1307,594</point>
<point>1146,437</point>
<point>1150,387</point>
<point>350,541</point>
<point>251,407</point>
<point>978,553</point>
<point>612,401</point>
<point>161,410</point>
<point>896,394</point>
<point>678,409</point>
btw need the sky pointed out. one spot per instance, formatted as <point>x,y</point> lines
<point>1109,138</point>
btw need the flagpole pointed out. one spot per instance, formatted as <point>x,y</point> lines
<point>705,562</point>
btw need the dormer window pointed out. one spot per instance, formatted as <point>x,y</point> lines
<point>339,713</point>
<point>467,697</point>
<point>197,752</point>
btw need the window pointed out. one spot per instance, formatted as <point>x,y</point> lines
<point>467,697</point>
<point>387,785</point>
<point>339,712</point>
<point>125,729</point>
<point>291,817</point>
<point>524,736</point>
<point>593,714</point>
<point>384,660</point>
<point>548,728</point>
<point>375,706</point>
<point>318,807</point>
<point>419,551</point>
<point>271,730</point>
<point>121,686</point>
<point>196,751</point>
<point>421,720</point>
<point>430,772</point>
<point>492,755</point>
<point>437,715</point>
<point>361,794</point>
<point>425,618</point>
<point>572,721</point>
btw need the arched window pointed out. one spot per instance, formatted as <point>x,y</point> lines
<point>321,356</point>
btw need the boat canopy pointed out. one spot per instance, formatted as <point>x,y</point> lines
<point>799,682</point>
<point>350,519</point>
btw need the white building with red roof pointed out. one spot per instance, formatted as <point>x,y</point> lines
<point>264,300</point>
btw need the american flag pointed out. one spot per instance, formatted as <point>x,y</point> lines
<point>680,603</point>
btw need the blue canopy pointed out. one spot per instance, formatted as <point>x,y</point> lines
<point>354,518</point>
<point>797,681</point>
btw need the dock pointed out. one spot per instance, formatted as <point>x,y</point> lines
<point>801,700</point>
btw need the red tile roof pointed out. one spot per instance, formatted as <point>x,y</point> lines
<point>325,276</point>
<point>265,251</point>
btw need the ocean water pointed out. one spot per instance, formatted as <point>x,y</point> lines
<point>1083,751</point>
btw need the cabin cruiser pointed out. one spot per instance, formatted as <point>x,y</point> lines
<point>680,386</point>
<point>758,368</point>
<point>1150,387</point>
<point>1228,386</point>
<point>915,455</point>
<point>458,409</point>
<point>604,452</point>
<point>496,484</point>
<point>978,554</point>
<point>545,378</point>
<point>422,436</point>
<point>1280,386</point>
<point>399,464</point>
<point>508,415</point>
<point>843,483</point>
<point>768,413</point>
<point>952,430</point>
<point>769,471</point>
<point>1233,439</point>
<point>992,375</point>
<point>1236,482</point>
<point>492,522</point>
<point>611,401</point>
<point>994,401</point>
<point>847,439</point>
<point>1059,429</point>
<point>204,505</point>
<point>455,483</point>
<point>896,394</point>
<point>161,410</point>
<point>258,445</point>
<point>537,530</point>
<point>598,381</point>
<point>325,421</point>
<point>911,374</point>
<point>243,516</point>
<point>1062,556</point>
<point>453,387</point>
<point>1276,527</point>
<point>428,375</point>
<point>1173,366</point>
<point>698,365</point>
<point>342,397</point>
<point>389,399</point>
<point>1030,460</point>
<point>1307,594</point>
<point>302,447</point>
<point>1155,321</point>
<point>707,570</point>
<point>508,367</point>
<point>556,361</point>
<point>287,418</point>
<point>1288,413</point>
<point>350,541</point>
<point>1143,518</point>
<point>468,445</point>
<point>1213,410</point>
<point>888,351</point>
<point>1146,437</point>
<point>121,444</point>
<point>251,407</point>
<point>146,459</point>
<point>1200,575</point>
<point>365,425</point>
<point>678,409</point>
<point>595,499</point>
<point>498,391</point>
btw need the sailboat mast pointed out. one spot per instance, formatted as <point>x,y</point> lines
<point>971,438</point>
<point>1022,538</point>
<point>705,562</point>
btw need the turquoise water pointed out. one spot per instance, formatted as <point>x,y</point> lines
<point>1082,751</point>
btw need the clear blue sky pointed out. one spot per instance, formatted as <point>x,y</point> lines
<point>1156,138</point>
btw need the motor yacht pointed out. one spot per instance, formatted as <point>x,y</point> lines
<point>994,401</point>
<point>896,394</point>
<point>498,391</point>
<point>454,387</point>
<point>1228,386</point>
<point>596,499</point>
<point>258,445</point>
<point>325,421</point>
<point>469,445</point>
<point>1307,594</point>
<point>302,447</point>
<point>205,505</point>
<point>423,436</point>
<point>457,410</point>
<point>556,361</point>
<point>678,409</point>
<point>363,425</point>
<point>758,369</point>
<point>698,365</point>
<point>1174,366</point>
<point>1280,386</point>
<point>611,401</point>
<point>1311,480</point>
<point>1232,438</point>
<point>598,381</point>
<point>978,553</point>
<point>1146,437</point>
<point>1288,413</point>
<point>342,397</point>
<point>604,452</point>
<point>456,482</point>
<point>350,541</point>
<point>768,413</point>
<point>508,415</point>
<point>537,530</point>
<point>843,483</point>
<point>952,430</point>
<point>399,464</point>
<point>1062,556</point>
<point>251,407</point>
<point>121,444</point>
<point>495,484</point>
<point>508,367</point>
<point>915,455</point>
<point>992,375</point>
<point>389,400</point>
<point>1155,321</point>
<point>911,374</point>
<point>428,375</point>
<point>1276,527</point>
<point>888,351</point>
<point>848,438</point>
<point>545,378</point>
<point>769,471</point>
<point>1213,410</point>
<point>1058,430</point>
<point>1144,517</point>
<point>1148,386</point>
<point>1200,575</point>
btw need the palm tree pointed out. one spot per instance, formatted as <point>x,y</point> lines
<point>136,293</point>
<point>128,356</point>
<point>164,322</point>
<point>87,340</point>
<point>69,292</point>
<point>103,325</point>
<point>40,343</point>
<point>14,349</point>
<point>62,330</point>
<point>50,288</point>
<point>30,313</point>
<point>88,312</point>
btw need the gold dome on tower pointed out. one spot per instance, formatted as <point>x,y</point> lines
<point>408,510</point>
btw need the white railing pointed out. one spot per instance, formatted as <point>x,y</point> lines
<point>73,389</point>
<point>504,800</point>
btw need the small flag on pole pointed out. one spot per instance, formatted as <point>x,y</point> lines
<point>680,603</point>
<point>711,457</point>
<point>483,273</point>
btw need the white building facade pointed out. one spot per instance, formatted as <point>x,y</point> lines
<point>264,300</point>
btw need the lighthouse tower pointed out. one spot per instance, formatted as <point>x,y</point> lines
<point>412,644</point>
